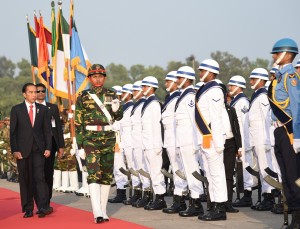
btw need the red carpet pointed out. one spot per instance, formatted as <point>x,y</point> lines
<point>62,217</point>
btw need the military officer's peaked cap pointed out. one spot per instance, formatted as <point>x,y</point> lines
<point>96,69</point>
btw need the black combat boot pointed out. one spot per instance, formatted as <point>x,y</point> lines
<point>120,197</point>
<point>245,201</point>
<point>203,197</point>
<point>295,224</point>
<point>136,195</point>
<point>158,204</point>
<point>229,208</point>
<point>195,208</point>
<point>4,175</point>
<point>147,197</point>
<point>177,206</point>
<point>217,213</point>
<point>267,203</point>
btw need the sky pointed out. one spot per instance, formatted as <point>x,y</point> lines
<point>130,32</point>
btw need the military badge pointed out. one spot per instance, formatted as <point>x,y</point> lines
<point>216,100</point>
<point>244,110</point>
<point>294,82</point>
<point>191,103</point>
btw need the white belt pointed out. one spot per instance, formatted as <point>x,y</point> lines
<point>277,124</point>
<point>98,128</point>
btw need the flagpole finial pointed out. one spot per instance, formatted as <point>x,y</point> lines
<point>40,13</point>
<point>52,4</point>
<point>59,3</point>
<point>34,12</point>
<point>27,18</point>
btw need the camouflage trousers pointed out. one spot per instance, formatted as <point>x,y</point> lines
<point>67,163</point>
<point>99,164</point>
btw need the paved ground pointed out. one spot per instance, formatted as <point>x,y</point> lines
<point>245,219</point>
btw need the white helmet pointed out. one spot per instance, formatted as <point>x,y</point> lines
<point>210,65</point>
<point>298,64</point>
<point>171,76</point>
<point>186,72</point>
<point>237,81</point>
<point>198,85</point>
<point>117,89</point>
<point>137,86</point>
<point>259,73</point>
<point>150,81</point>
<point>267,84</point>
<point>127,88</point>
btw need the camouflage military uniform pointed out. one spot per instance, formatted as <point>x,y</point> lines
<point>98,145</point>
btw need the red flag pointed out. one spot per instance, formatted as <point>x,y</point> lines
<point>43,55</point>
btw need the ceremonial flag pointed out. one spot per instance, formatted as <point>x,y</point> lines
<point>32,45</point>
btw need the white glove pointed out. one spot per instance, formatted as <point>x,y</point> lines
<point>296,145</point>
<point>4,151</point>
<point>220,150</point>
<point>268,147</point>
<point>115,104</point>
<point>80,153</point>
<point>72,151</point>
<point>74,144</point>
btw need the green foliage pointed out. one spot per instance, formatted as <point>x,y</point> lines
<point>24,67</point>
<point>7,67</point>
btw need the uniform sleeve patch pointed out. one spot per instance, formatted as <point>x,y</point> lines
<point>244,110</point>
<point>191,103</point>
<point>216,100</point>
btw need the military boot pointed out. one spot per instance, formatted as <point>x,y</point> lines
<point>295,224</point>
<point>137,193</point>
<point>203,197</point>
<point>267,203</point>
<point>158,204</point>
<point>147,197</point>
<point>277,208</point>
<point>245,201</point>
<point>4,175</point>
<point>120,197</point>
<point>229,208</point>
<point>177,206</point>
<point>217,213</point>
<point>195,208</point>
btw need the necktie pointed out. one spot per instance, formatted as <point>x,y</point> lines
<point>31,114</point>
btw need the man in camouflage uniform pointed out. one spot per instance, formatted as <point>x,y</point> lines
<point>96,109</point>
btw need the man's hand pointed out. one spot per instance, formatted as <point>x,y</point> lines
<point>47,153</point>
<point>18,155</point>
<point>115,104</point>
<point>60,153</point>
<point>296,145</point>
<point>268,148</point>
<point>220,150</point>
<point>239,153</point>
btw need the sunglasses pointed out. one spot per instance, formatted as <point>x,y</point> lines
<point>43,91</point>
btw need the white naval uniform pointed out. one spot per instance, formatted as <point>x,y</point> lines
<point>119,162</point>
<point>139,161</point>
<point>211,105</point>
<point>152,142</point>
<point>168,120</point>
<point>186,139</point>
<point>126,139</point>
<point>259,128</point>
<point>241,104</point>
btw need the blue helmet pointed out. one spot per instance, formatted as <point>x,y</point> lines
<point>285,45</point>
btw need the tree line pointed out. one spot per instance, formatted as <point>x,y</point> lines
<point>14,75</point>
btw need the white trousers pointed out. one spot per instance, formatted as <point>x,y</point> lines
<point>140,163</point>
<point>180,185</point>
<point>264,160</point>
<point>154,160</point>
<point>190,163</point>
<point>120,178</point>
<point>130,164</point>
<point>215,172</point>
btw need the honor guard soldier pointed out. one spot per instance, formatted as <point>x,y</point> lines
<point>240,102</point>
<point>152,141</point>
<point>208,116</point>
<point>259,129</point>
<point>187,145</point>
<point>285,104</point>
<point>137,145</point>
<point>168,121</point>
<point>197,86</point>
<point>298,66</point>
<point>96,109</point>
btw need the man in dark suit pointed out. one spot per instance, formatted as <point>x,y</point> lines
<point>58,143</point>
<point>30,141</point>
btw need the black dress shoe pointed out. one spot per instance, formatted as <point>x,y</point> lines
<point>28,214</point>
<point>99,219</point>
<point>42,212</point>
<point>229,208</point>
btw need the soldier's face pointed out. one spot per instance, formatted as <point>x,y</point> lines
<point>30,94</point>
<point>97,80</point>
<point>298,69</point>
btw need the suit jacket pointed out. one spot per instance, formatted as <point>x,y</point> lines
<point>235,127</point>
<point>23,134</point>
<point>57,131</point>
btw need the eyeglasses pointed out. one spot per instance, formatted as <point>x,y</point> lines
<point>43,91</point>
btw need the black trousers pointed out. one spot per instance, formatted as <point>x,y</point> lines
<point>32,180</point>
<point>289,165</point>
<point>229,163</point>
<point>49,168</point>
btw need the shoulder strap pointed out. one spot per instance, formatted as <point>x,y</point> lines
<point>101,106</point>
